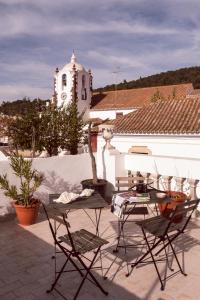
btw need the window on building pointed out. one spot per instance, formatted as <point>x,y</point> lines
<point>83,81</point>
<point>84,94</point>
<point>139,150</point>
<point>64,80</point>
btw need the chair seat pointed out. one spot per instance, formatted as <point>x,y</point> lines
<point>138,210</point>
<point>83,240</point>
<point>158,225</point>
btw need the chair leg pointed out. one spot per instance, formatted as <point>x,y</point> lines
<point>167,260</point>
<point>58,276</point>
<point>176,258</point>
<point>88,272</point>
<point>120,230</point>
<point>61,271</point>
<point>150,249</point>
<point>154,262</point>
<point>147,253</point>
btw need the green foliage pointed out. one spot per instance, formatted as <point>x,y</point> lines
<point>157,96</point>
<point>74,128</point>
<point>30,180</point>
<point>184,75</point>
<point>174,93</point>
<point>24,132</point>
<point>53,129</point>
<point>22,107</point>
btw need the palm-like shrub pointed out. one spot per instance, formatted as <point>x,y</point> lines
<point>30,180</point>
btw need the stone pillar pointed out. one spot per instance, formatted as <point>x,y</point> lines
<point>180,183</point>
<point>193,186</point>
<point>193,194</point>
<point>167,182</point>
<point>156,180</point>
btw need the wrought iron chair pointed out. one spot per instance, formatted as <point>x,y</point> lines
<point>164,232</point>
<point>131,210</point>
<point>75,245</point>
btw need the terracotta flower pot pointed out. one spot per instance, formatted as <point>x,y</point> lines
<point>177,198</point>
<point>27,215</point>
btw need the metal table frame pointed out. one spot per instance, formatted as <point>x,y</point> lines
<point>94,202</point>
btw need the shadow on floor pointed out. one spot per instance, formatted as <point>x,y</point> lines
<point>26,267</point>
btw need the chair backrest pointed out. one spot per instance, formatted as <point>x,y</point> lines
<point>67,225</point>
<point>182,213</point>
<point>52,213</point>
<point>50,225</point>
<point>127,182</point>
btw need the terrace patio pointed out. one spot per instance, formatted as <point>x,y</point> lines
<point>26,266</point>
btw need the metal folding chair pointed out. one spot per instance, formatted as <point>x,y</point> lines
<point>74,246</point>
<point>128,211</point>
<point>164,232</point>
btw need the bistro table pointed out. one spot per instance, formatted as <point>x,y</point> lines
<point>94,202</point>
<point>124,203</point>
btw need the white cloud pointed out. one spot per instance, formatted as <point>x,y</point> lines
<point>26,68</point>
<point>16,91</point>
<point>113,61</point>
<point>26,22</point>
<point>140,39</point>
<point>121,27</point>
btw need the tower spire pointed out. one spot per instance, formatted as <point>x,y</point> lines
<point>73,58</point>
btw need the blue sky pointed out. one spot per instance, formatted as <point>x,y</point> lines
<point>133,37</point>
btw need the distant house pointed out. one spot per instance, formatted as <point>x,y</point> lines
<point>113,104</point>
<point>162,120</point>
<point>166,128</point>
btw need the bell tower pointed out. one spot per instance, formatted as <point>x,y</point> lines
<point>72,74</point>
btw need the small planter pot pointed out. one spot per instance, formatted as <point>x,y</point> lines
<point>27,215</point>
<point>177,198</point>
<point>99,187</point>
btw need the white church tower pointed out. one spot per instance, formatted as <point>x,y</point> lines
<point>73,81</point>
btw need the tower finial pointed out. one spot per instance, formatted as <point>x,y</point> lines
<point>73,58</point>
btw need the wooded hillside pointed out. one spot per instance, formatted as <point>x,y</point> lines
<point>184,75</point>
<point>22,107</point>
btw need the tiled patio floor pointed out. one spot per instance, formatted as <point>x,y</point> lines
<point>26,267</point>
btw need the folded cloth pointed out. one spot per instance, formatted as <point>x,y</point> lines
<point>66,197</point>
<point>117,205</point>
<point>86,193</point>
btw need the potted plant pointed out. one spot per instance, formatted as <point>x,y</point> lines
<point>98,185</point>
<point>177,198</point>
<point>25,204</point>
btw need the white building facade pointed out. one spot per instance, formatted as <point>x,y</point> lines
<point>109,113</point>
<point>73,81</point>
<point>162,145</point>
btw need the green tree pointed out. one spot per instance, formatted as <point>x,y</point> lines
<point>74,128</point>
<point>22,107</point>
<point>24,132</point>
<point>53,130</point>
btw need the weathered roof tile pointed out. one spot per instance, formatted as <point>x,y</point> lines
<point>163,117</point>
<point>135,98</point>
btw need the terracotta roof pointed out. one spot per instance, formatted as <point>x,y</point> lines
<point>196,92</point>
<point>163,117</point>
<point>134,98</point>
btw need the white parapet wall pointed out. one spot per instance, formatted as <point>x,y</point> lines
<point>61,174</point>
<point>112,164</point>
<point>163,165</point>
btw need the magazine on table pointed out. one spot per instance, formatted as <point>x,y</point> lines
<point>133,196</point>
